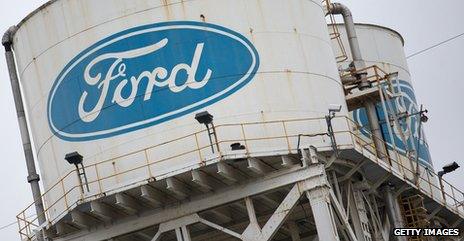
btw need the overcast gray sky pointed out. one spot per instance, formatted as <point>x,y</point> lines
<point>437,77</point>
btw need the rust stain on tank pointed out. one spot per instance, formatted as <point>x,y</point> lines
<point>252,37</point>
<point>182,4</point>
<point>289,79</point>
<point>167,9</point>
<point>115,171</point>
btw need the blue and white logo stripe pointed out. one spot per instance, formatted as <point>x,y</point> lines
<point>409,126</point>
<point>148,75</point>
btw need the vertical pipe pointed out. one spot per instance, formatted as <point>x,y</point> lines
<point>376,131</point>
<point>338,8</point>
<point>358,64</point>
<point>370,106</point>
<point>393,212</point>
<point>33,178</point>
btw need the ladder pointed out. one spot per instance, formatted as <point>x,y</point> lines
<point>414,214</point>
<point>334,32</point>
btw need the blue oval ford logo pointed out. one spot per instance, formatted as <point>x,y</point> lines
<point>148,75</point>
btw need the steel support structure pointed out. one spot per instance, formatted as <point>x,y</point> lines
<point>369,105</point>
<point>316,190</point>
<point>309,180</point>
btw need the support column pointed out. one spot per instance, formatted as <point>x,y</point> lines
<point>319,198</point>
<point>253,230</point>
<point>358,214</point>
<point>393,211</point>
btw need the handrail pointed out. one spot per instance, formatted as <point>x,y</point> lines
<point>27,224</point>
<point>60,184</point>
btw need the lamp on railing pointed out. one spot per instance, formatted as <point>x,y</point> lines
<point>207,119</point>
<point>76,159</point>
<point>446,169</point>
<point>333,109</point>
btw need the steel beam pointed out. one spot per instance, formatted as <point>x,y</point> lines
<point>350,173</point>
<point>203,181</point>
<point>228,173</point>
<point>102,211</point>
<point>288,161</point>
<point>342,216</point>
<point>82,220</point>
<point>323,215</point>
<point>258,167</point>
<point>252,233</point>
<point>280,215</point>
<point>178,188</point>
<point>127,203</point>
<point>269,182</point>
<point>253,229</point>
<point>152,196</point>
<point>393,213</point>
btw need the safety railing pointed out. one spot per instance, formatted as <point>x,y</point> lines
<point>70,194</point>
<point>283,135</point>
<point>372,74</point>
<point>425,180</point>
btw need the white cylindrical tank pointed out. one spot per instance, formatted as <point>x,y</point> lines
<point>384,48</point>
<point>120,82</point>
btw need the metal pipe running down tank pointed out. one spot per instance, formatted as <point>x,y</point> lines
<point>33,178</point>
<point>369,105</point>
<point>358,63</point>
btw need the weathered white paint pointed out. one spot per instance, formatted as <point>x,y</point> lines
<point>297,78</point>
<point>384,47</point>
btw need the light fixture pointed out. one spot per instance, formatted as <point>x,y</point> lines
<point>204,118</point>
<point>76,159</point>
<point>423,117</point>
<point>207,119</point>
<point>448,168</point>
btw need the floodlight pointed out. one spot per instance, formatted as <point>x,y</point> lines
<point>74,158</point>
<point>204,117</point>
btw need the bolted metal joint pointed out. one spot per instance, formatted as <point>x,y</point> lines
<point>7,39</point>
<point>33,178</point>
